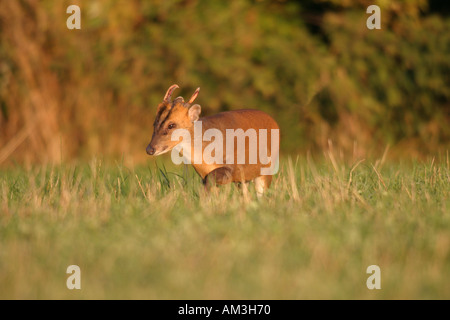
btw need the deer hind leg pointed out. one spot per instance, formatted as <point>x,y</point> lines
<point>262,183</point>
<point>223,175</point>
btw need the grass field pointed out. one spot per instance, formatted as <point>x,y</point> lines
<point>151,232</point>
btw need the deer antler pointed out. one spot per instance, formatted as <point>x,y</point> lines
<point>194,96</point>
<point>169,92</point>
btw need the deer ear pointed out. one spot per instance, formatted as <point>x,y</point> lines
<point>194,112</point>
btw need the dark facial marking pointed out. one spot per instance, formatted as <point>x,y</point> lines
<point>162,115</point>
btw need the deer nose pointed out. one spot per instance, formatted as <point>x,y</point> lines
<point>150,150</point>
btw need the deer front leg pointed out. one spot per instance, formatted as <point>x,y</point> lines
<point>218,176</point>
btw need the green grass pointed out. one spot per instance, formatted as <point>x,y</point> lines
<point>151,232</point>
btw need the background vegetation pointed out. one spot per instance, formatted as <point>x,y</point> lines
<point>313,65</point>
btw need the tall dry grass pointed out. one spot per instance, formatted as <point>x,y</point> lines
<point>58,106</point>
<point>152,232</point>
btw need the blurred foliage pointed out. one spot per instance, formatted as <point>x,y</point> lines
<point>312,64</point>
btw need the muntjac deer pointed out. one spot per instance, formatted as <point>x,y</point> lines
<point>213,152</point>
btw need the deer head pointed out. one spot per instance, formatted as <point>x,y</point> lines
<point>172,115</point>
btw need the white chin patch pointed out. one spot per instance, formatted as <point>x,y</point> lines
<point>162,152</point>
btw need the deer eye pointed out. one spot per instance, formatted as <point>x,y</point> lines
<point>171,126</point>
